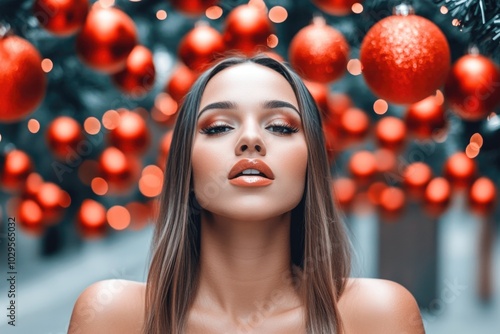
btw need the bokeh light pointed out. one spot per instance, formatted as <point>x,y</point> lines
<point>214,12</point>
<point>380,106</point>
<point>33,125</point>
<point>92,125</point>
<point>278,14</point>
<point>118,217</point>
<point>161,14</point>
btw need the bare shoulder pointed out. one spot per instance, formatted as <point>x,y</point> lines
<point>379,306</point>
<point>109,306</point>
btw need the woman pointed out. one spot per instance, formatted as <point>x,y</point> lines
<point>247,239</point>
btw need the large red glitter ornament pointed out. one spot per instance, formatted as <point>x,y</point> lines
<point>138,76</point>
<point>21,77</point>
<point>319,52</point>
<point>16,168</point>
<point>61,17</point>
<point>247,29</point>
<point>425,117</point>
<point>405,58</point>
<point>473,87</point>
<point>131,135</point>
<point>200,47</point>
<point>180,82</point>
<point>106,39</point>
<point>193,7</point>
<point>64,135</point>
<point>336,7</point>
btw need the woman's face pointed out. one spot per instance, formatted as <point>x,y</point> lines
<point>249,115</point>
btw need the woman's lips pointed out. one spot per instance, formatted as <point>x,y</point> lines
<point>250,181</point>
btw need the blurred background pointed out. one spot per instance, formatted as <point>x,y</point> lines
<point>409,93</point>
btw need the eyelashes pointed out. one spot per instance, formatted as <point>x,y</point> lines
<point>281,128</point>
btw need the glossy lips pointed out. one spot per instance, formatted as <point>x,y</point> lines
<point>251,180</point>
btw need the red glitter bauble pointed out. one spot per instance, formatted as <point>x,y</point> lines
<point>91,218</point>
<point>106,39</point>
<point>247,29</point>
<point>472,88</point>
<point>336,7</point>
<point>200,47</point>
<point>119,170</point>
<point>363,165</point>
<point>50,198</point>
<point>64,134</point>
<point>354,122</point>
<point>426,117</point>
<point>193,7</point>
<point>61,17</point>
<point>460,170</point>
<point>482,194</point>
<point>319,52</point>
<point>131,135</point>
<point>405,58</point>
<point>21,77</point>
<point>139,74</point>
<point>16,168</point>
<point>180,82</point>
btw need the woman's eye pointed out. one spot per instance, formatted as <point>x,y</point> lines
<point>215,129</point>
<point>283,128</point>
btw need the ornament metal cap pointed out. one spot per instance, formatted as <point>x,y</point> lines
<point>403,9</point>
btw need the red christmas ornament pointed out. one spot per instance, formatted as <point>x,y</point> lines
<point>460,169</point>
<point>390,132</point>
<point>319,52</point>
<point>61,17</point>
<point>482,194</point>
<point>363,165</point>
<point>344,190</point>
<point>247,29</point>
<point>64,135</point>
<point>91,218</point>
<point>354,122</point>
<point>119,170</point>
<point>200,47</point>
<point>336,7</point>
<point>16,168</point>
<point>425,117</point>
<point>180,82</point>
<point>106,39</point>
<point>29,216</point>
<point>405,58</point>
<point>21,77</point>
<point>417,175</point>
<point>139,74</point>
<point>193,7</point>
<point>472,88</point>
<point>131,135</point>
<point>319,93</point>
<point>437,195</point>
<point>50,198</point>
<point>392,200</point>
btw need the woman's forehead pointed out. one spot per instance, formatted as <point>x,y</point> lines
<point>247,82</point>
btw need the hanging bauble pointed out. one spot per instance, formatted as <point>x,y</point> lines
<point>28,215</point>
<point>426,117</point>
<point>91,219</point>
<point>61,17</point>
<point>392,202</point>
<point>437,196</point>
<point>64,135</point>
<point>22,79</point>
<point>390,132</point>
<point>319,52</point>
<point>201,47</point>
<point>460,170</point>
<point>344,191</point>
<point>405,58</point>
<point>416,176</point>
<point>336,7</point>
<point>363,165</point>
<point>50,198</point>
<point>482,194</point>
<point>138,76</point>
<point>131,135</point>
<point>354,122</point>
<point>180,82</point>
<point>16,167</point>
<point>106,39</point>
<point>247,29</point>
<point>193,7</point>
<point>472,88</point>
<point>119,170</point>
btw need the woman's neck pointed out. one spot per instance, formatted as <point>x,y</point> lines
<point>245,267</point>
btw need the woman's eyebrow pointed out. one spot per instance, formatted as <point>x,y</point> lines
<point>218,105</point>
<point>273,104</point>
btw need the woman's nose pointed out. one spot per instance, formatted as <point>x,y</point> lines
<point>250,141</point>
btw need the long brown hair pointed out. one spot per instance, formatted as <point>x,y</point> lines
<point>319,244</point>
